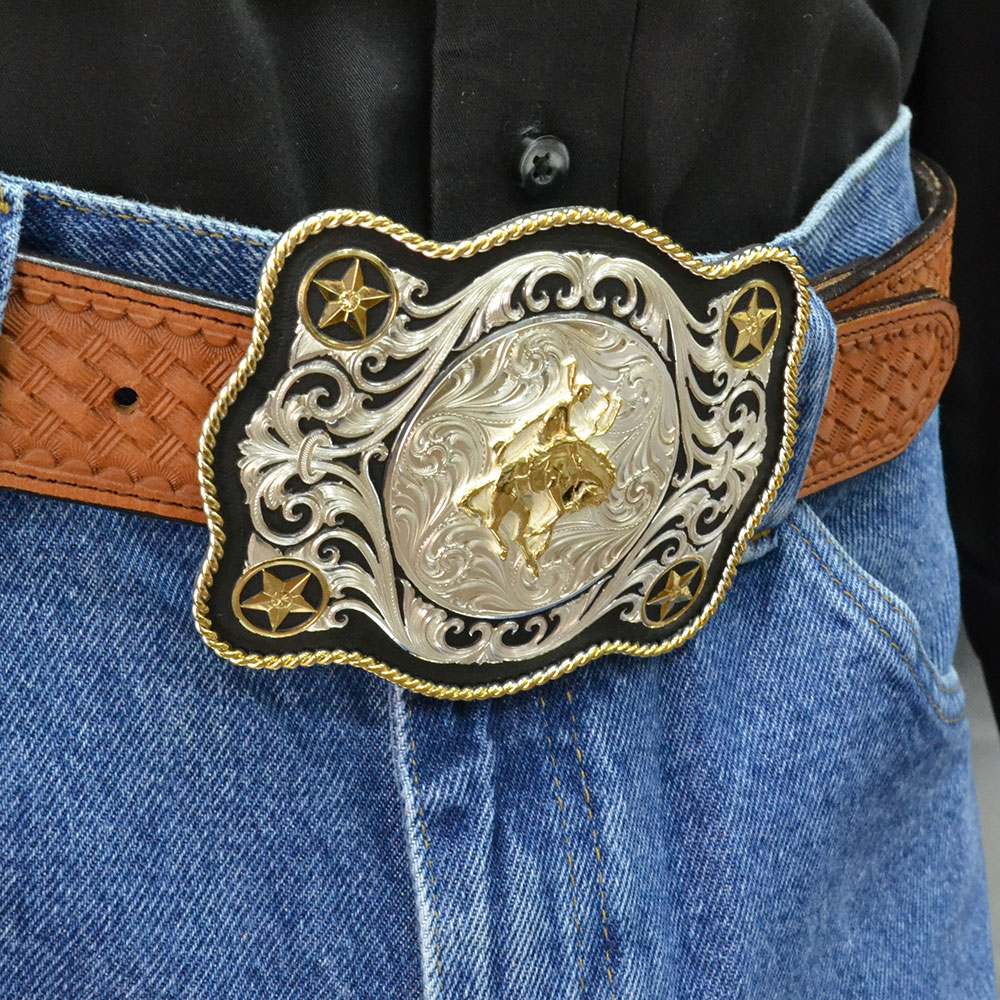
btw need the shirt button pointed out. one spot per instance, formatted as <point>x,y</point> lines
<point>544,165</point>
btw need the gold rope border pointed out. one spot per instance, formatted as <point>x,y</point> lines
<point>516,229</point>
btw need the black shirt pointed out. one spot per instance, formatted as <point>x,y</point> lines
<point>719,121</point>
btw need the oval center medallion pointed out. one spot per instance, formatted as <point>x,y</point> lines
<point>533,465</point>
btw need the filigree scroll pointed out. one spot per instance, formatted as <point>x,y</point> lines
<point>473,467</point>
<point>507,465</point>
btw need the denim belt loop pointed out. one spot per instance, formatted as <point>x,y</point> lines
<point>11,214</point>
<point>871,206</point>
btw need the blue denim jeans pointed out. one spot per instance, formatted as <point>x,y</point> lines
<point>781,808</point>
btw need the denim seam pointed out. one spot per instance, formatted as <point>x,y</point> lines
<point>871,586</point>
<point>4,204</point>
<point>569,853</point>
<point>135,218</point>
<point>951,720</point>
<point>436,927</point>
<point>400,760</point>
<point>597,846</point>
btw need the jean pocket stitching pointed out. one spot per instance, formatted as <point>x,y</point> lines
<point>839,549</point>
<point>950,720</point>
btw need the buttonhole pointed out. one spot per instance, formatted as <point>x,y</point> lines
<point>125,398</point>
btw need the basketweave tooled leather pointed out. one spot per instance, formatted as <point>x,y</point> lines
<point>70,341</point>
<point>897,339</point>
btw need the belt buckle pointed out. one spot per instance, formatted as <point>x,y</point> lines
<point>471,468</point>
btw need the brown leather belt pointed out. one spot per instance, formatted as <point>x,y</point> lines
<point>104,385</point>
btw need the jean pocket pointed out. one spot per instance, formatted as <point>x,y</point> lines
<point>888,632</point>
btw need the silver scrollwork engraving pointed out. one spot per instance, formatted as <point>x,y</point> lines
<point>561,430</point>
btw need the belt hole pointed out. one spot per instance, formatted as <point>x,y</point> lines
<point>125,398</point>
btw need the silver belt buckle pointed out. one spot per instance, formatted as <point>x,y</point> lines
<point>471,468</point>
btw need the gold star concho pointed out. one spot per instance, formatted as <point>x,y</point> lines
<point>280,598</point>
<point>676,588</point>
<point>348,300</point>
<point>750,326</point>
